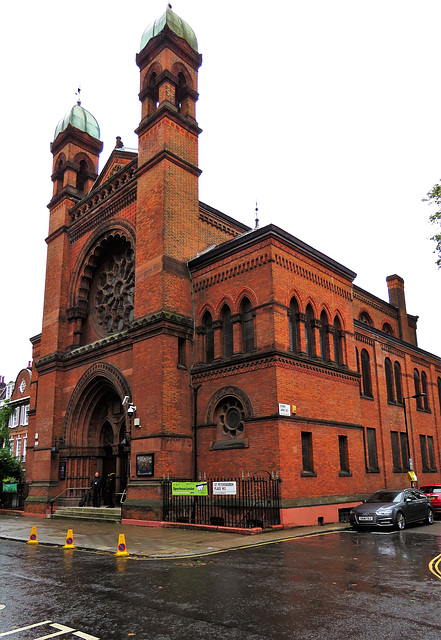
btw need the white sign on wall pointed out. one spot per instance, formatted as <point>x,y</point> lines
<point>224,488</point>
<point>284,409</point>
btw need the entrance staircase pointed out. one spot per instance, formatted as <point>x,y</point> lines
<point>101,514</point>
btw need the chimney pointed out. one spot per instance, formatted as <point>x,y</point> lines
<point>407,324</point>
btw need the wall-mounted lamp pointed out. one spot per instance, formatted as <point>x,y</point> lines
<point>54,450</point>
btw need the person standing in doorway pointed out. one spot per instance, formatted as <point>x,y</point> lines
<point>110,490</point>
<point>96,489</point>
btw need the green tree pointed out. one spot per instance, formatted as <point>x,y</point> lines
<point>10,467</point>
<point>5,413</point>
<point>434,198</point>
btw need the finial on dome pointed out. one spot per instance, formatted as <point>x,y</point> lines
<point>175,24</point>
<point>78,93</point>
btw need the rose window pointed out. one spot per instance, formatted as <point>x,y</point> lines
<point>114,298</point>
<point>231,418</point>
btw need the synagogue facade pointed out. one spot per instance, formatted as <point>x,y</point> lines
<point>179,343</point>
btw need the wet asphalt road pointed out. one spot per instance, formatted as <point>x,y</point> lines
<point>347,584</point>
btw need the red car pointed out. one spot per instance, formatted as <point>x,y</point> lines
<point>433,492</point>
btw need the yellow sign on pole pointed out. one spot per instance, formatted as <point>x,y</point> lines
<point>411,476</point>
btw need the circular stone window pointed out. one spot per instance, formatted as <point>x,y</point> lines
<point>114,288</point>
<point>231,417</point>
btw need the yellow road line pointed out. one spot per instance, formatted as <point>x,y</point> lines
<point>434,566</point>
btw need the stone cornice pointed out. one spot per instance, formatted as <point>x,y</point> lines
<point>375,303</point>
<point>231,272</point>
<point>256,362</point>
<point>162,321</point>
<point>311,275</point>
<point>361,338</point>
<point>105,191</point>
<point>165,154</point>
<point>99,215</point>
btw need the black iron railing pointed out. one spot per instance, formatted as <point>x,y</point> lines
<point>256,503</point>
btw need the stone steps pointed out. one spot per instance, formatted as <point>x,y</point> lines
<point>101,514</point>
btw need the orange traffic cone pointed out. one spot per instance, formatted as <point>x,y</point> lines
<point>33,536</point>
<point>122,549</point>
<point>69,540</point>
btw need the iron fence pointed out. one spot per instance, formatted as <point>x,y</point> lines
<point>255,503</point>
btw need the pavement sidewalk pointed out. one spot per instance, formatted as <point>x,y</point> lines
<point>146,542</point>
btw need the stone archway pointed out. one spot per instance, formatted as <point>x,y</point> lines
<point>94,427</point>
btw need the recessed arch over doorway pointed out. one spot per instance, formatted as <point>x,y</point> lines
<point>94,427</point>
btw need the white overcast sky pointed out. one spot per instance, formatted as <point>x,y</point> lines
<point>325,111</point>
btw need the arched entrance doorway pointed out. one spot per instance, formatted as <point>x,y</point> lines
<point>95,427</point>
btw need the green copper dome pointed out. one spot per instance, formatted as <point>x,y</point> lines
<point>175,23</point>
<point>81,119</point>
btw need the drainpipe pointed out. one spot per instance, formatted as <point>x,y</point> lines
<point>194,389</point>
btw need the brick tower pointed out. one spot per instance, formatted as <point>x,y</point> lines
<point>167,225</point>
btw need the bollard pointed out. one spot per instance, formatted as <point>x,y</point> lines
<point>33,536</point>
<point>69,540</point>
<point>122,549</point>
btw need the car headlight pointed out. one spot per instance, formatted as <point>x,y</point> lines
<point>384,511</point>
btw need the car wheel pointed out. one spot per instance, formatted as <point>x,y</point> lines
<point>400,521</point>
<point>429,517</point>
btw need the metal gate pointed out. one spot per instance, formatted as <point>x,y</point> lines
<point>256,503</point>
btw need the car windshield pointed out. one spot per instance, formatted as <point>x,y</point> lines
<point>431,489</point>
<point>385,496</point>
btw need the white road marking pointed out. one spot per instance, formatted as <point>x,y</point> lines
<point>62,630</point>
<point>31,626</point>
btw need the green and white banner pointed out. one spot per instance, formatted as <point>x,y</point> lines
<point>190,488</point>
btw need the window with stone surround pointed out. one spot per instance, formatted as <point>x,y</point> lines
<point>207,323</point>
<point>366,382</point>
<point>372,449</point>
<point>293,325</point>
<point>307,454</point>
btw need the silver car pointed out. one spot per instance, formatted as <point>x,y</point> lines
<point>392,508</point>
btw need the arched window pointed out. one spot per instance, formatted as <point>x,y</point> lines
<point>366,374</point>
<point>439,393</point>
<point>324,342</point>
<point>365,318</point>
<point>389,381</point>
<point>293,325</point>
<point>425,399</point>
<point>338,352</point>
<point>309,332</point>
<point>357,358</point>
<point>247,326</point>
<point>180,90</point>
<point>417,386</point>
<point>59,180</point>
<point>82,176</point>
<point>228,331</point>
<point>388,329</point>
<point>209,337</point>
<point>398,387</point>
<point>153,94</point>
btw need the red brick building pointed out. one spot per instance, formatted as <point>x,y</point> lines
<point>209,349</point>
